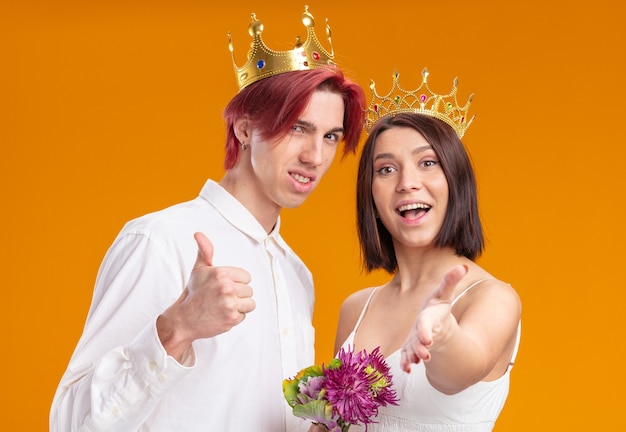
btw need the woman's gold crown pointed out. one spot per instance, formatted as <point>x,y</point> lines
<point>263,62</point>
<point>420,101</point>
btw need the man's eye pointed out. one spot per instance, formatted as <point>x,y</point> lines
<point>332,137</point>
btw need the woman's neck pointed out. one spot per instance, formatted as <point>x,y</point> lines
<point>422,268</point>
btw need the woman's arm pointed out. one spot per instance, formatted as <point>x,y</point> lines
<point>469,342</point>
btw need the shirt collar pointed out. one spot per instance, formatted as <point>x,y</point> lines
<point>238,215</point>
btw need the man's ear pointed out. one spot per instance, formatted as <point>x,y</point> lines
<point>243,129</point>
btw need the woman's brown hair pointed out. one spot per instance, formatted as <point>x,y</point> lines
<point>461,229</point>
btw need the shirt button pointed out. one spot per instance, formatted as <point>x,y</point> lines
<point>162,377</point>
<point>116,410</point>
<point>152,366</point>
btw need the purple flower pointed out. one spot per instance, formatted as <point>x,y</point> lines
<point>358,386</point>
<point>347,391</point>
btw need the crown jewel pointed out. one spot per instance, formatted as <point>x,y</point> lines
<point>263,62</point>
<point>420,101</point>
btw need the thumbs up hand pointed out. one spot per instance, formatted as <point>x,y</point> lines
<point>215,300</point>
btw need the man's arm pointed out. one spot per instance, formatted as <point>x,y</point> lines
<point>121,368</point>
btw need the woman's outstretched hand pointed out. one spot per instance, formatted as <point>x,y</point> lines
<point>434,321</point>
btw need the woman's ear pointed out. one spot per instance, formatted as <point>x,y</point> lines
<point>242,129</point>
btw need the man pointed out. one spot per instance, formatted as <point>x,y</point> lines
<point>201,310</point>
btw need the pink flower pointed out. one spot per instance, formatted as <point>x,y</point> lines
<point>359,386</point>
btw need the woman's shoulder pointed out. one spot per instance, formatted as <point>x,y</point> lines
<point>354,304</point>
<point>479,277</point>
<point>350,311</point>
<point>356,301</point>
<point>481,287</point>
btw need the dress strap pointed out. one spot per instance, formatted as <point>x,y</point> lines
<point>467,289</point>
<point>517,339</point>
<point>367,303</point>
<point>369,299</point>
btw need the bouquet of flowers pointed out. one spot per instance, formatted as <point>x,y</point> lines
<point>348,391</point>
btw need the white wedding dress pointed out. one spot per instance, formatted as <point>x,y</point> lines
<point>422,408</point>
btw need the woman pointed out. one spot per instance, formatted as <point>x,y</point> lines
<point>448,329</point>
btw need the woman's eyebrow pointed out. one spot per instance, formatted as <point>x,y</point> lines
<point>422,149</point>
<point>383,156</point>
<point>390,155</point>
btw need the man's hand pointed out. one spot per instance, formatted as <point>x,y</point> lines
<point>215,300</point>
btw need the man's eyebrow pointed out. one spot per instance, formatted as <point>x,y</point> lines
<point>311,126</point>
<point>305,123</point>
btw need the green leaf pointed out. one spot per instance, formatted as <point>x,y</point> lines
<point>318,411</point>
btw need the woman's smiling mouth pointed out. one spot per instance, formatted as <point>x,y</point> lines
<point>413,210</point>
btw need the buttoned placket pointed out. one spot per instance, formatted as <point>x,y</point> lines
<point>283,309</point>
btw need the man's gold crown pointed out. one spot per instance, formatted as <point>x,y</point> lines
<point>263,62</point>
<point>420,101</point>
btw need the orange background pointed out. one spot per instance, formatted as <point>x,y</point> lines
<point>111,109</point>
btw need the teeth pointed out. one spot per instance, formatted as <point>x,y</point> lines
<point>301,179</point>
<point>413,206</point>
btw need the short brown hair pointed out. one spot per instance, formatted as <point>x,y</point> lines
<point>461,229</point>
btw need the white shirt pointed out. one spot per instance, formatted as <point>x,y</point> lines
<point>121,379</point>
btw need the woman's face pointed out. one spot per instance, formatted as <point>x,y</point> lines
<point>409,187</point>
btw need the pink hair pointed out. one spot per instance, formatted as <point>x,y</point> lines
<point>274,105</point>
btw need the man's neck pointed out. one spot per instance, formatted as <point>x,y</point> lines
<point>245,191</point>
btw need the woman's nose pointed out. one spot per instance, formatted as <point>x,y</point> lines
<point>409,180</point>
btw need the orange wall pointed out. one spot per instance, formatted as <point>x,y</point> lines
<point>111,109</point>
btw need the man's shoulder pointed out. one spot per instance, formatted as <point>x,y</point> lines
<point>165,218</point>
<point>182,212</point>
<point>174,226</point>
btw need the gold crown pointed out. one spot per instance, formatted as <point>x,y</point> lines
<point>420,101</point>
<point>263,62</point>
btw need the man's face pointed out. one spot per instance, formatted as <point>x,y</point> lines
<point>286,171</point>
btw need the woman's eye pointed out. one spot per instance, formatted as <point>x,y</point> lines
<point>298,128</point>
<point>385,170</point>
<point>429,163</point>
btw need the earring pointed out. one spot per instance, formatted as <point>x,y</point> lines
<point>244,146</point>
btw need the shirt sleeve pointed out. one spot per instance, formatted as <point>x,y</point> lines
<point>119,369</point>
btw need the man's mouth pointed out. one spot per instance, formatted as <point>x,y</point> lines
<point>300,178</point>
<point>413,210</point>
